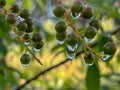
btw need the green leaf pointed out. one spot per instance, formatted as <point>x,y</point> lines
<point>93,78</point>
<point>28,4</point>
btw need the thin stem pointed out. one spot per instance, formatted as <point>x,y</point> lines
<point>15,31</point>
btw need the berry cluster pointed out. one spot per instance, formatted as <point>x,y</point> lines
<point>21,24</point>
<point>78,10</point>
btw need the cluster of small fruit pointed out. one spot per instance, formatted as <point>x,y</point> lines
<point>78,10</point>
<point>21,23</point>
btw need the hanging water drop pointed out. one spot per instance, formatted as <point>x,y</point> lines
<point>89,64</point>
<point>25,65</point>
<point>36,49</point>
<point>75,15</point>
<point>106,57</point>
<point>71,55</point>
<point>72,48</point>
<point>26,42</point>
<point>88,40</point>
<point>20,19</point>
<point>60,41</point>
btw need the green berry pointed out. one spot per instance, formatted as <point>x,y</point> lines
<point>15,8</point>
<point>39,45</point>
<point>59,11</point>
<point>11,19</point>
<point>25,59</point>
<point>26,37</point>
<point>24,13</point>
<point>72,40</point>
<point>77,8</point>
<point>2,3</point>
<point>61,36</point>
<point>29,22</point>
<point>29,29</point>
<point>95,23</point>
<point>109,48</point>
<point>89,58</point>
<point>22,26</point>
<point>90,32</point>
<point>88,13</point>
<point>60,27</point>
<point>37,37</point>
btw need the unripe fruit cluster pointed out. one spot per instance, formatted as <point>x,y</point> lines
<point>78,10</point>
<point>20,22</point>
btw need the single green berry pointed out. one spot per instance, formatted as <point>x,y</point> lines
<point>22,26</point>
<point>109,48</point>
<point>2,3</point>
<point>76,8</point>
<point>26,37</point>
<point>61,36</point>
<point>59,11</point>
<point>39,45</point>
<point>15,8</point>
<point>89,58</point>
<point>60,27</point>
<point>95,23</point>
<point>29,22</point>
<point>37,37</point>
<point>25,59</point>
<point>24,13</point>
<point>71,40</point>
<point>11,19</point>
<point>88,13</point>
<point>90,32</point>
<point>29,29</point>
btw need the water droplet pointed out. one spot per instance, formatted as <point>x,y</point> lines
<point>25,65</point>
<point>89,64</point>
<point>72,48</point>
<point>105,57</point>
<point>36,50</point>
<point>20,19</point>
<point>71,55</point>
<point>75,15</point>
<point>60,42</point>
<point>26,42</point>
<point>88,40</point>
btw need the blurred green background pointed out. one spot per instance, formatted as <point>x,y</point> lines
<point>73,75</point>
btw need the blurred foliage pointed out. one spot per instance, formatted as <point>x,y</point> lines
<point>73,75</point>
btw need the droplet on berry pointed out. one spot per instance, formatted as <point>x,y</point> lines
<point>11,19</point>
<point>37,37</point>
<point>25,59</point>
<point>24,13</point>
<point>60,37</point>
<point>15,8</point>
<point>59,11</point>
<point>76,10</point>
<point>89,58</point>
<point>22,26</point>
<point>60,27</point>
<point>88,13</point>
<point>109,48</point>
